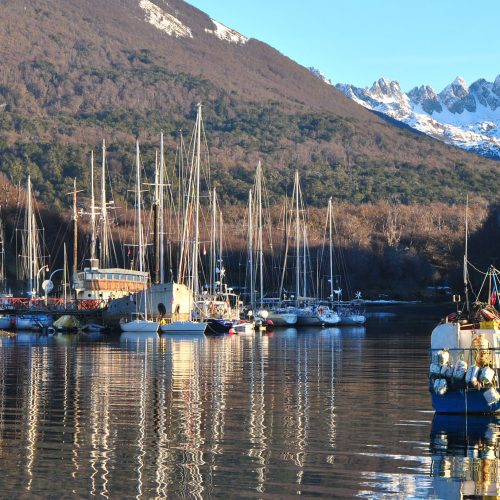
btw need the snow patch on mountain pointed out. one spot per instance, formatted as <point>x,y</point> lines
<point>468,117</point>
<point>164,21</point>
<point>227,34</point>
<point>318,73</point>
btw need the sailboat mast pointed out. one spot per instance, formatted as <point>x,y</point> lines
<point>213,260</point>
<point>197,203</point>
<point>304,261</point>
<point>92,213</point>
<point>104,212</point>
<point>250,249</point>
<point>221,274</point>
<point>156,222</point>
<point>162,209</point>
<point>75,232</point>
<point>261,253</point>
<point>31,256</point>
<point>331,247</point>
<point>139,223</point>
<point>297,237</point>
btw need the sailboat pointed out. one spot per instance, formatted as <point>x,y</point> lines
<point>268,311</point>
<point>217,306</point>
<point>141,323</point>
<point>309,311</point>
<point>191,255</point>
<point>347,313</point>
<point>32,267</point>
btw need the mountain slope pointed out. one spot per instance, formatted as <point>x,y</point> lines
<point>468,117</point>
<point>75,72</point>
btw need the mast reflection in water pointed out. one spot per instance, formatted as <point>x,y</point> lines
<point>334,412</point>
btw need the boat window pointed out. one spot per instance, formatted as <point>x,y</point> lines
<point>117,276</point>
<point>110,276</point>
<point>124,277</point>
<point>88,276</point>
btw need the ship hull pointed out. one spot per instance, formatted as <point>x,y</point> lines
<point>184,327</point>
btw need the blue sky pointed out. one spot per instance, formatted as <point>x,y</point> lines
<point>358,41</point>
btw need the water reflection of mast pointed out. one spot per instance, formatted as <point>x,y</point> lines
<point>164,408</point>
<point>297,410</point>
<point>332,427</point>
<point>186,382</point>
<point>99,419</point>
<point>38,365</point>
<point>3,385</point>
<point>142,421</point>
<point>258,412</point>
<point>302,411</point>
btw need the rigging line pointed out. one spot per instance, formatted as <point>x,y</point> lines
<point>476,269</point>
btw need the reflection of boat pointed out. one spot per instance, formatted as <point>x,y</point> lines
<point>138,337</point>
<point>353,330</point>
<point>95,328</point>
<point>184,327</point>
<point>464,451</point>
<point>29,337</point>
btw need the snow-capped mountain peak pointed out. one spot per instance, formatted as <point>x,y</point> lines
<point>468,117</point>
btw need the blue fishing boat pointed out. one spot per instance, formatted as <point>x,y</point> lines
<point>464,369</point>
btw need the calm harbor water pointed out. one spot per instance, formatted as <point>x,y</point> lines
<point>333,412</point>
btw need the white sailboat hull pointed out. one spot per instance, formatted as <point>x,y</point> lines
<point>329,318</point>
<point>140,326</point>
<point>282,319</point>
<point>184,327</point>
<point>308,318</point>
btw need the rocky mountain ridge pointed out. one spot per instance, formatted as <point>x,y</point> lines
<point>462,115</point>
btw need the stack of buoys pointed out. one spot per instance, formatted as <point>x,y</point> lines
<point>481,374</point>
<point>444,372</point>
